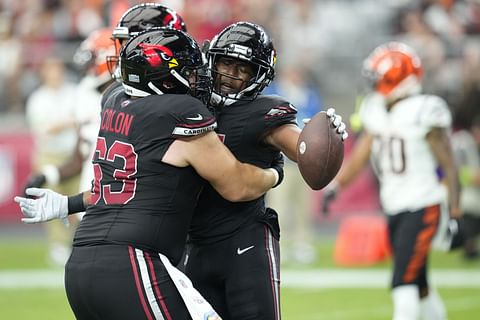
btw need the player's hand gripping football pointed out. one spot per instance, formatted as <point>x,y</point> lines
<point>46,205</point>
<point>337,122</point>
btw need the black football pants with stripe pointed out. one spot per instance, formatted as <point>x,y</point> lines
<point>114,282</point>
<point>239,276</point>
<point>411,235</point>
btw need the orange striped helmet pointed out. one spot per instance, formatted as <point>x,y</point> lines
<point>394,70</point>
<point>91,56</point>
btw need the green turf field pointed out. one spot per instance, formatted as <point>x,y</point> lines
<point>463,303</point>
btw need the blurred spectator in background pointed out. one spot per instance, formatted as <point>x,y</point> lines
<point>447,19</point>
<point>467,104</point>
<point>299,39</point>
<point>466,142</point>
<point>416,33</point>
<point>293,198</point>
<point>466,146</point>
<point>10,53</point>
<point>50,115</point>
<point>208,17</point>
<point>91,62</point>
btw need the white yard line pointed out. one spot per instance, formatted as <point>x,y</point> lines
<point>377,311</point>
<point>15,279</point>
<point>314,279</point>
<point>330,278</point>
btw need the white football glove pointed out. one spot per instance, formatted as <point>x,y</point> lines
<point>47,206</point>
<point>337,122</point>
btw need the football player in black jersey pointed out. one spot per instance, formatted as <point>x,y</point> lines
<point>156,149</point>
<point>233,254</point>
<point>138,18</point>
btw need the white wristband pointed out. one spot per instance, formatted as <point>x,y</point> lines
<point>52,175</point>
<point>277,176</point>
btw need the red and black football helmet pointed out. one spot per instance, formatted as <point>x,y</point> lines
<point>249,42</point>
<point>163,60</point>
<point>146,16</point>
<point>140,18</point>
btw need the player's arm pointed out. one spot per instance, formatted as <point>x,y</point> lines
<point>357,160</point>
<point>235,181</point>
<point>441,148</point>
<point>354,164</point>
<point>285,139</point>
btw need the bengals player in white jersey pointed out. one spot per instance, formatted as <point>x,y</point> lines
<point>406,137</point>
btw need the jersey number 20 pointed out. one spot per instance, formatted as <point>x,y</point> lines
<point>392,150</point>
<point>124,174</point>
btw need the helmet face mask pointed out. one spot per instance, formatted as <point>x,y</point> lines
<point>233,76</point>
<point>249,43</point>
<point>140,18</point>
<point>163,60</point>
<point>393,70</point>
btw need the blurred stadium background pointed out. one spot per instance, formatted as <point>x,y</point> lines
<point>324,43</point>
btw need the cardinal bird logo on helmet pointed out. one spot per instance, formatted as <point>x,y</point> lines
<point>155,54</point>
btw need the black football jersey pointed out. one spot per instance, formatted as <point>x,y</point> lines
<point>138,199</point>
<point>243,127</point>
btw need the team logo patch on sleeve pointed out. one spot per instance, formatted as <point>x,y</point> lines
<point>193,129</point>
<point>280,111</point>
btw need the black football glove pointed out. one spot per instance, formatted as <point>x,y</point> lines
<point>329,194</point>
<point>35,181</point>
<point>277,164</point>
<point>456,232</point>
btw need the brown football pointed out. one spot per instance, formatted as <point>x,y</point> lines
<point>319,151</point>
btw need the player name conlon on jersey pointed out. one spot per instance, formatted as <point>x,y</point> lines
<point>116,121</point>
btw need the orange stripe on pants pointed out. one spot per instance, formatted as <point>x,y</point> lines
<point>422,243</point>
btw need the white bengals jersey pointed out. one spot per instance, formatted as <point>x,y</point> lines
<point>87,116</point>
<point>401,156</point>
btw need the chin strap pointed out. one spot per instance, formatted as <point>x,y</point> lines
<point>219,100</point>
<point>154,88</point>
